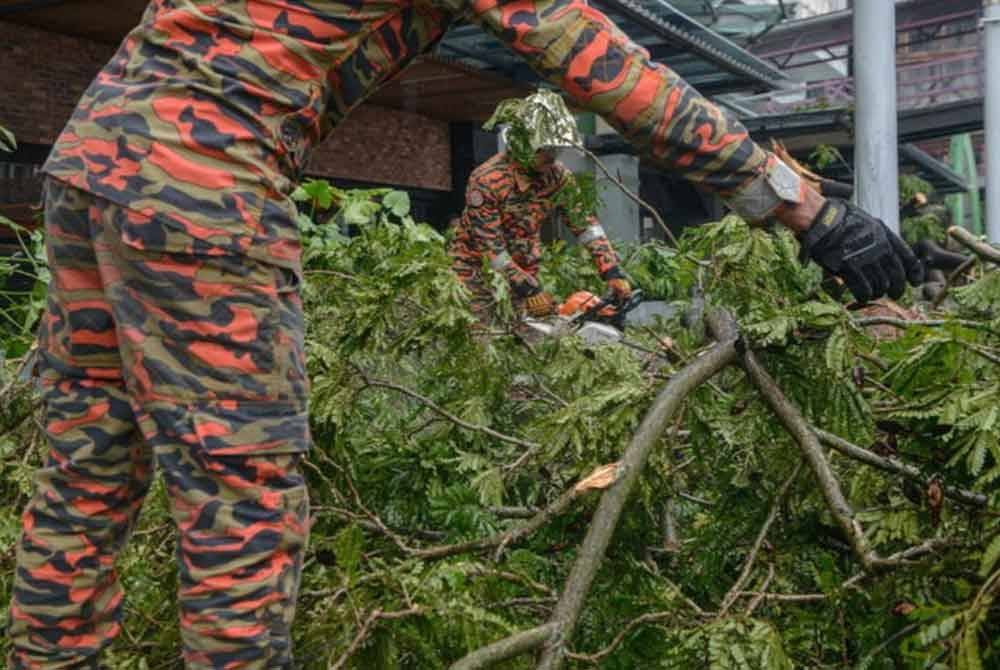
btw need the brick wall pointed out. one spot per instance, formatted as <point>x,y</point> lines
<point>387,146</point>
<point>42,75</point>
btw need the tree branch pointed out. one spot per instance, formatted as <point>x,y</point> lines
<point>982,249</point>
<point>366,629</point>
<point>649,617</point>
<point>950,281</point>
<point>509,647</point>
<point>734,592</point>
<point>755,603</point>
<point>595,544</point>
<point>505,538</point>
<point>430,404</point>
<point>628,192</point>
<point>894,466</point>
<point>807,441</point>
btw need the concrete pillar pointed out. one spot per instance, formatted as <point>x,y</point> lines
<point>991,38</point>
<point>876,151</point>
<point>618,213</point>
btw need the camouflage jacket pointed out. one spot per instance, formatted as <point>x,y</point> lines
<point>207,112</point>
<point>505,207</point>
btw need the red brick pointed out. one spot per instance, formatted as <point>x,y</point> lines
<point>43,74</point>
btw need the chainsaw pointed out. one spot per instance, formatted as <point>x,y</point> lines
<point>593,319</point>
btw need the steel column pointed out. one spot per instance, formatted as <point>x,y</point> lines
<point>991,37</point>
<point>876,159</point>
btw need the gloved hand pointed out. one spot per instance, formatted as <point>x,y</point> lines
<point>620,290</point>
<point>540,305</point>
<point>855,246</point>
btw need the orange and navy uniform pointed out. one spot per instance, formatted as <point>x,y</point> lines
<point>506,206</point>
<point>174,325</point>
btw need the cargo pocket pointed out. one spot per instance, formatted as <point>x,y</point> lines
<point>237,428</point>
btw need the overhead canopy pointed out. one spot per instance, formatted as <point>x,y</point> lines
<point>705,59</point>
<point>472,71</point>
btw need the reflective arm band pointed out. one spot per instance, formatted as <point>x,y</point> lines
<point>777,185</point>
<point>595,232</point>
<point>500,261</point>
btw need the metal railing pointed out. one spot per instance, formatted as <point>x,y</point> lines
<point>951,78</point>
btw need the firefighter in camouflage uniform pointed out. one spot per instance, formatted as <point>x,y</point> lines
<point>510,197</point>
<point>173,334</point>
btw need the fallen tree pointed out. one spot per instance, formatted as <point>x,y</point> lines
<point>784,491</point>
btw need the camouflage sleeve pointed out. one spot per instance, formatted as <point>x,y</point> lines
<point>579,49</point>
<point>485,229</point>
<point>591,234</point>
<point>594,238</point>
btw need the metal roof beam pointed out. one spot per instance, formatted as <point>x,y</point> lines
<point>931,165</point>
<point>676,27</point>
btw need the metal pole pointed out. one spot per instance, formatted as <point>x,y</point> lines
<point>876,151</point>
<point>991,36</point>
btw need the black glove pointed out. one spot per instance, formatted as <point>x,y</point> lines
<point>871,259</point>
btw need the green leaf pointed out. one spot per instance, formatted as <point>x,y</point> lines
<point>7,141</point>
<point>347,548</point>
<point>990,557</point>
<point>397,202</point>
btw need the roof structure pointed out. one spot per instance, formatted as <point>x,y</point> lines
<point>801,132</point>
<point>471,71</point>
<point>707,60</point>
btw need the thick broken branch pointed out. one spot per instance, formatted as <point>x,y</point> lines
<point>509,647</point>
<point>982,249</point>
<point>894,466</point>
<point>609,510</point>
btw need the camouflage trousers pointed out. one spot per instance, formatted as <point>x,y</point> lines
<point>188,363</point>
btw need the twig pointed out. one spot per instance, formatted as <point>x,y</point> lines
<point>950,280</point>
<point>514,512</point>
<point>982,249</point>
<point>366,629</point>
<point>785,597</point>
<point>906,556</point>
<point>649,617</point>
<point>695,499</point>
<point>605,520</point>
<point>628,192</point>
<point>734,592</point>
<point>901,633</point>
<point>509,647</point>
<point>430,404</point>
<point>894,466</point>
<point>896,322</point>
<point>505,538</point>
<point>755,603</point>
